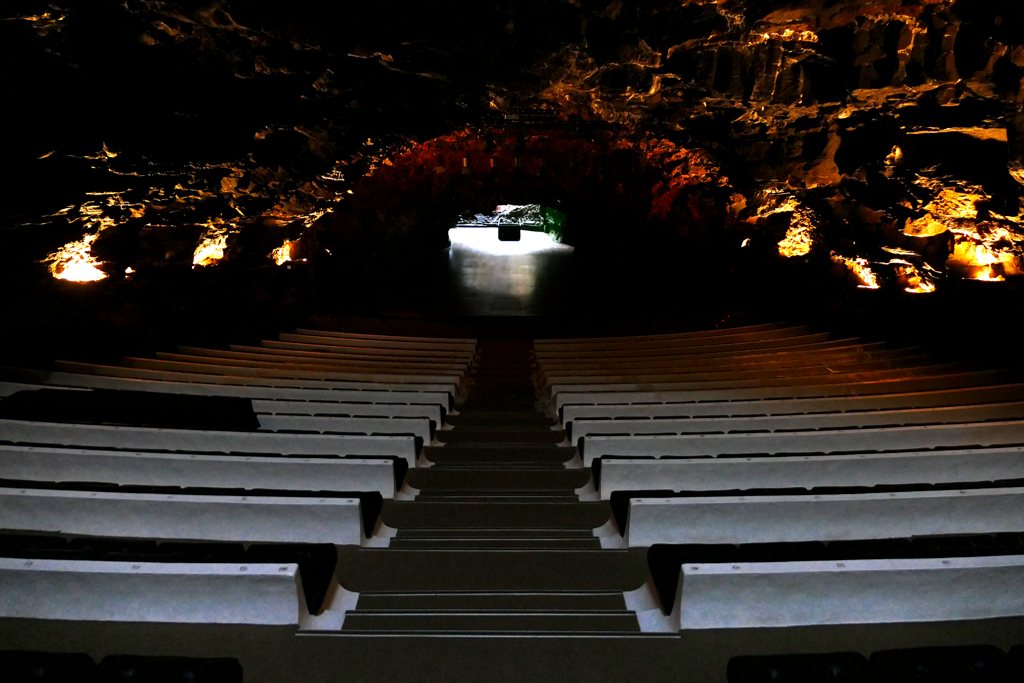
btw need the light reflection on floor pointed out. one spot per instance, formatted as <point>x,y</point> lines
<point>502,278</point>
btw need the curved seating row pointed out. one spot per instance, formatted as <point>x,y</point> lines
<point>197,486</point>
<point>778,466</point>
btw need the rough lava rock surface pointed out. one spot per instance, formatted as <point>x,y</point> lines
<point>883,138</point>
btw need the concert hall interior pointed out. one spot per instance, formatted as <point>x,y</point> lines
<point>512,340</point>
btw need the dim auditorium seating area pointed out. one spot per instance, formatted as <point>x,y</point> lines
<point>580,508</point>
<point>206,487</point>
<point>780,478</point>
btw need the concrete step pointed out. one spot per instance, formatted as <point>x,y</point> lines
<point>511,419</point>
<point>527,532</point>
<point>500,436</point>
<point>507,622</point>
<point>439,515</point>
<point>508,492</point>
<point>496,543</point>
<point>492,453</point>
<point>389,569</point>
<point>493,498</point>
<point>500,466</point>
<point>583,601</point>
<point>485,426</point>
<point>445,477</point>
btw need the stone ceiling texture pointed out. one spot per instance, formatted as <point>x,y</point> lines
<point>882,139</point>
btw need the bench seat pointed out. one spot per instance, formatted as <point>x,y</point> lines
<point>34,379</point>
<point>742,373</point>
<point>252,381</point>
<point>695,334</point>
<point>898,580</point>
<point>793,406</point>
<point>1012,410</point>
<point>327,424</point>
<point>183,469</point>
<point>722,361</point>
<point>861,440</point>
<point>205,365</point>
<point>435,413</point>
<point>204,441</point>
<point>378,343</point>
<point>943,377</point>
<point>160,516</point>
<point>326,348</point>
<point>281,356</point>
<point>680,339</point>
<point>762,383</point>
<point>692,346</point>
<point>823,517</point>
<point>460,341</point>
<point>868,469</point>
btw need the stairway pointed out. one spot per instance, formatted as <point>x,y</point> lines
<point>496,540</point>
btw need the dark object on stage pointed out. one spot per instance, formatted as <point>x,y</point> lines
<point>509,233</point>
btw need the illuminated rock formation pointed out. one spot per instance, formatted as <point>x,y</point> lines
<point>797,128</point>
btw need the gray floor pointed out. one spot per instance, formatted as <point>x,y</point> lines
<point>495,278</point>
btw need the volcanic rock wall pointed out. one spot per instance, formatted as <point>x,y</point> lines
<point>884,138</point>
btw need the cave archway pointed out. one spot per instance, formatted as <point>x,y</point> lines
<point>614,189</point>
<point>605,181</point>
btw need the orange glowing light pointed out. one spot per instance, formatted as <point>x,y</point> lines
<point>976,260</point>
<point>212,244</point>
<point>74,262</point>
<point>799,237</point>
<point>1017,171</point>
<point>283,253</point>
<point>914,281</point>
<point>926,226</point>
<point>953,203</point>
<point>786,35</point>
<point>986,274</point>
<point>861,270</point>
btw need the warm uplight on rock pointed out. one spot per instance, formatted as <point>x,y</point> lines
<point>800,236</point>
<point>860,269</point>
<point>925,226</point>
<point>977,261</point>
<point>74,262</point>
<point>913,280</point>
<point>987,274</point>
<point>955,203</point>
<point>283,253</point>
<point>889,132</point>
<point>786,34</point>
<point>212,244</point>
<point>797,242</point>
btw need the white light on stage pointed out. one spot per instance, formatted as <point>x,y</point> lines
<point>485,240</point>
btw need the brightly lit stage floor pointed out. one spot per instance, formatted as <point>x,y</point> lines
<point>491,277</point>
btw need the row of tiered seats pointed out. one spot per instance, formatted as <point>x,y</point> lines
<point>781,477</point>
<point>212,486</point>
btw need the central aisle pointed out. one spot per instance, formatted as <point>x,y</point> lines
<point>497,539</point>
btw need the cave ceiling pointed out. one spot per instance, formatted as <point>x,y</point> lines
<point>882,138</point>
